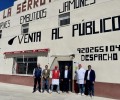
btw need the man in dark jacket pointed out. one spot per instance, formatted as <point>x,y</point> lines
<point>45,81</point>
<point>37,77</point>
<point>89,81</point>
<point>66,78</point>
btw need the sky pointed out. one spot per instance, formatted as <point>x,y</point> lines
<point>6,4</point>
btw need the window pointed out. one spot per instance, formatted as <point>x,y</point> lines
<point>64,19</point>
<point>25,65</point>
<point>0,34</point>
<point>25,28</point>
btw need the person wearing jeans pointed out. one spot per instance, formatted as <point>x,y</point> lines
<point>80,79</point>
<point>45,81</point>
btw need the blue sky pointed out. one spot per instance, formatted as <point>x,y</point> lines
<point>6,4</point>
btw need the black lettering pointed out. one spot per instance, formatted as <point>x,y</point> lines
<point>94,31</point>
<point>112,48</point>
<point>104,55</point>
<point>75,27</point>
<point>38,36</point>
<point>115,56</point>
<point>55,34</point>
<point>87,50</point>
<point>101,49</point>
<point>104,25</point>
<point>91,49</point>
<point>26,40</point>
<point>20,39</point>
<point>106,48</point>
<point>115,26</point>
<point>91,57</point>
<point>78,49</point>
<point>82,58</point>
<point>95,56</point>
<point>87,57</point>
<point>96,49</point>
<point>110,57</point>
<point>118,46</point>
<point>88,26</point>
<point>101,26</point>
<point>83,29</point>
<point>30,37</point>
<point>100,57</point>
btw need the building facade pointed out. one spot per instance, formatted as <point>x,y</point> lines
<point>62,32</point>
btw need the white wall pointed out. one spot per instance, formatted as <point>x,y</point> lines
<point>106,71</point>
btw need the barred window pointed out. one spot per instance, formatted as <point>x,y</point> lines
<point>25,65</point>
<point>64,19</point>
<point>0,34</point>
<point>25,28</point>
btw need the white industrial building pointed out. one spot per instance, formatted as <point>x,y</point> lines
<point>62,32</point>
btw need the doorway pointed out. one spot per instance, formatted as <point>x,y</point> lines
<point>62,65</point>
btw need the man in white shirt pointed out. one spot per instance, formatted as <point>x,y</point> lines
<point>66,78</point>
<point>80,79</point>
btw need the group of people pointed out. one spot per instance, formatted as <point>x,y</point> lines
<point>85,79</point>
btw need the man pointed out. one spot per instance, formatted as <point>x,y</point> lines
<point>80,79</point>
<point>37,77</point>
<point>45,74</point>
<point>66,78</point>
<point>55,79</point>
<point>90,80</point>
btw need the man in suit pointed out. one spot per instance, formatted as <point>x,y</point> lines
<point>89,81</point>
<point>37,77</point>
<point>45,75</point>
<point>66,78</point>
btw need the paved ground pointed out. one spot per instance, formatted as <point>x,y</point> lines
<point>18,92</point>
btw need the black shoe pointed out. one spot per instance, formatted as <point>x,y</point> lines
<point>48,91</point>
<point>67,92</point>
<point>33,91</point>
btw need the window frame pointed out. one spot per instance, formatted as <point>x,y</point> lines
<point>24,27</point>
<point>64,17</point>
<point>27,62</point>
<point>0,34</point>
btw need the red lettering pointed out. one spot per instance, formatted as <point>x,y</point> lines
<point>9,12</point>
<point>4,14</point>
<point>36,3</point>
<point>18,8</point>
<point>29,4</point>
<point>42,2</point>
<point>23,6</point>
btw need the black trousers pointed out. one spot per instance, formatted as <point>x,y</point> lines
<point>65,85</point>
<point>37,80</point>
<point>89,88</point>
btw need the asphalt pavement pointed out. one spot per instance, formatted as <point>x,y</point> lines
<point>20,92</point>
